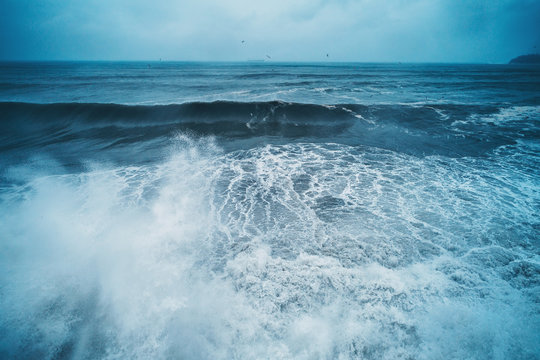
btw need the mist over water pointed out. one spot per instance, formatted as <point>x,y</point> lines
<point>270,229</point>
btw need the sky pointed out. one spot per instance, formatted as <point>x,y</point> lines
<point>481,31</point>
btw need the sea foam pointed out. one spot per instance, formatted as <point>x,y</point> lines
<point>281,251</point>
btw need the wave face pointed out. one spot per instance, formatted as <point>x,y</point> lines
<point>451,130</point>
<point>283,229</point>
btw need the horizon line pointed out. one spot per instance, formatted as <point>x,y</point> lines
<point>252,61</point>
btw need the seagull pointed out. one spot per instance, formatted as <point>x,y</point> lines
<point>268,56</point>
<point>243,41</point>
<point>327,55</point>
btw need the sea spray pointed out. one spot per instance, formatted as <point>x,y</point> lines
<point>297,251</point>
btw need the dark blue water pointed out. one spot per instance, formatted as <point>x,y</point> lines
<point>266,210</point>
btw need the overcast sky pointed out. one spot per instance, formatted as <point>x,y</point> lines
<point>286,30</point>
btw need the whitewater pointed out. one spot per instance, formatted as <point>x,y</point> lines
<point>269,211</point>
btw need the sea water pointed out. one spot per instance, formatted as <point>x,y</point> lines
<point>269,211</point>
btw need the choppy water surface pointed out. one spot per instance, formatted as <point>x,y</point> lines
<point>248,211</point>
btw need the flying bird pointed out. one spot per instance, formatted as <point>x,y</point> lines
<point>268,56</point>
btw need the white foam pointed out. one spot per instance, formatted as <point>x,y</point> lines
<point>297,251</point>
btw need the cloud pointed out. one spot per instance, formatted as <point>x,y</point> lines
<point>362,30</point>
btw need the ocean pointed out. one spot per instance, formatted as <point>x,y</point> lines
<point>174,210</point>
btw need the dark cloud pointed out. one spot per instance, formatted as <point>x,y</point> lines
<point>363,30</point>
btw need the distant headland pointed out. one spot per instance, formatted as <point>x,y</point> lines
<point>526,59</point>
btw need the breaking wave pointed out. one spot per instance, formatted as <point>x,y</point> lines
<point>451,130</point>
<point>281,251</point>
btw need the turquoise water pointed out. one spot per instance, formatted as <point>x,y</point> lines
<point>222,211</point>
